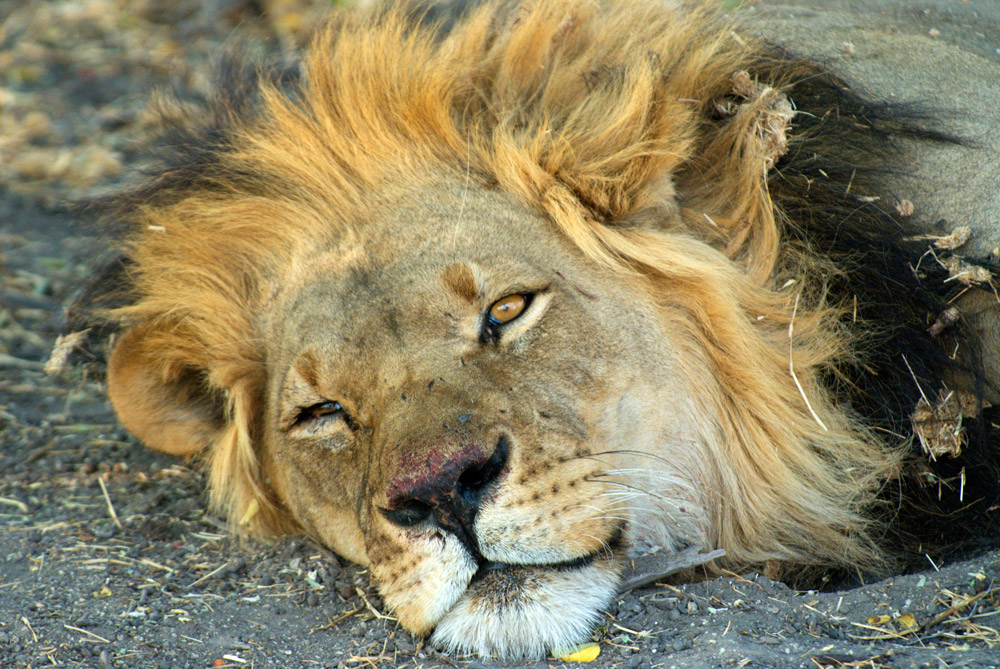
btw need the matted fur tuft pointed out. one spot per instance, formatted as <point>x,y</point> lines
<point>608,119</point>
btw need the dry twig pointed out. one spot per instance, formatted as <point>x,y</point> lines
<point>111,507</point>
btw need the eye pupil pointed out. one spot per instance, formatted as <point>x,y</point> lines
<point>508,308</point>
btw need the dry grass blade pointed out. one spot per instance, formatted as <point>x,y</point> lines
<point>963,604</point>
<point>94,637</point>
<point>156,565</point>
<point>21,506</point>
<point>332,622</point>
<point>210,574</point>
<point>833,661</point>
<point>111,507</point>
<point>791,367</point>
<point>375,612</point>
<point>667,566</point>
<point>883,632</point>
<point>19,363</point>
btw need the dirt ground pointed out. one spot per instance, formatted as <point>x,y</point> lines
<point>107,555</point>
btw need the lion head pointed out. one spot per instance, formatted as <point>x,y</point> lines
<point>485,311</point>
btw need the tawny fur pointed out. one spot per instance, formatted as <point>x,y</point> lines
<point>602,118</point>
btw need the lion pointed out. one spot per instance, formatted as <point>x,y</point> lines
<point>488,307</point>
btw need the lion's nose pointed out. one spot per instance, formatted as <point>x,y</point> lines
<point>446,488</point>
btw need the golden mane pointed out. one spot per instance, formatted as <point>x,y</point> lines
<point>604,118</point>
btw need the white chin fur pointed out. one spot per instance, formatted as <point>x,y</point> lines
<point>526,612</point>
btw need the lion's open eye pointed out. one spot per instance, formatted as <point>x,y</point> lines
<point>503,311</point>
<point>508,308</point>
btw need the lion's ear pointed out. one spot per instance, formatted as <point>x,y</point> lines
<point>165,404</point>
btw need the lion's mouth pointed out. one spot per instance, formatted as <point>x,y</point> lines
<point>606,551</point>
<point>527,610</point>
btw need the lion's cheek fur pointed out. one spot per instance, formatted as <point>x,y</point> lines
<point>312,489</point>
<point>664,477</point>
<point>424,585</point>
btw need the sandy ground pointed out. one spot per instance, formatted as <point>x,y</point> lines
<point>107,555</point>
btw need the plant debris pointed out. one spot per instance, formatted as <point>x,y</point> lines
<point>955,239</point>
<point>965,272</point>
<point>63,348</point>
<point>945,320</point>
<point>939,426</point>
<point>773,115</point>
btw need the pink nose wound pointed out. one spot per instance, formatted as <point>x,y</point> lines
<point>445,486</point>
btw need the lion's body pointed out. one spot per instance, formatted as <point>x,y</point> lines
<point>712,349</point>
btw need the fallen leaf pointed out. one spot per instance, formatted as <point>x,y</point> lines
<point>587,652</point>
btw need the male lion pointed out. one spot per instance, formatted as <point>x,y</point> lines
<point>483,308</point>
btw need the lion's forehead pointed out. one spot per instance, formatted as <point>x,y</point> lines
<point>389,283</point>
<point>404,246</point>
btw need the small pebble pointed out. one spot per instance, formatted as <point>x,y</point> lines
<point>104,530</point>
<point>633,662</point>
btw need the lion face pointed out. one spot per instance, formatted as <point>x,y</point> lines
<point>460,404</point>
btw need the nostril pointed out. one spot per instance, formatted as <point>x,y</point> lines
<point>446,489</point>
<point>474,480</point>
<point>408,513</point>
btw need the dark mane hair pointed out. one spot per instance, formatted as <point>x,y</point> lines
<point>833,186</point>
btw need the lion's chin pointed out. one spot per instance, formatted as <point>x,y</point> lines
<point>525,612</point>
